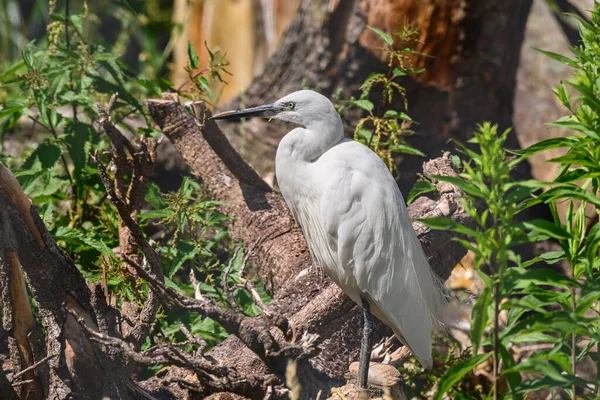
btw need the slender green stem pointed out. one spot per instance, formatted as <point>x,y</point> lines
<point>62,157</point>
<point>496,372</point>
<point>598,358</point>
<point>379,105</point>
<point>68,43</point>
<point>573,346</point>
<point>66,166</point>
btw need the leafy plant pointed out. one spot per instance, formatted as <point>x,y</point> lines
<point>56,87</point>
<point>492,200</point>
<point>200,85</point>
<point>384,128</point>
<point>544,305</point>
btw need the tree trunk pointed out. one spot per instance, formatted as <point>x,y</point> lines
<point>260,219</point>
<point>71,367</point>
<point>476,45</point>
<point>322,49</point>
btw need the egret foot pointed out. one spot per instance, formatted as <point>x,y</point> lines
<point>382,377</point>
<point>366,344</point>
<point>363,394</point>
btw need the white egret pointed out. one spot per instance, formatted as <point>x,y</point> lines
<point>355,222</point>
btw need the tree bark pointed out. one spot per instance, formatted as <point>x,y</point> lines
<point>260,219</point>
<point>476,45</point>
<point>323,49</point>
<point>72,366</point>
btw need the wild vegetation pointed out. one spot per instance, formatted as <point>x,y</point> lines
<point>64,89</point>
<point>556,308</point>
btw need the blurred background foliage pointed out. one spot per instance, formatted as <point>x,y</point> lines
<point>151,37</point>
<point>158,46</point>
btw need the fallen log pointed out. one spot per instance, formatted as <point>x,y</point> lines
<point>261,221</point>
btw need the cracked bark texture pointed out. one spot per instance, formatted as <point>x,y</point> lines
<point>477,47</point>
<point>60,292</point>
<point>260,219</point>
<point>323,50</point>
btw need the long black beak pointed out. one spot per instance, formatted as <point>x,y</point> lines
<point>266,111</point>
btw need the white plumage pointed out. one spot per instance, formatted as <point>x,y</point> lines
<point>354,218</point>
<point>355,221</point>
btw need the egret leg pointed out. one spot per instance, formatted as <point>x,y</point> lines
<point>366,344</point>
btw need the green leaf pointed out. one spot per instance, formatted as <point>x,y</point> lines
<point>79,146</point>
<point>75,236</point>
<point>365,135</point>
<point>561,321</point>
<point>187,251</point>
<point>550,257</point>
<point>210,330</point>
<point>586,302</point>
<point>244,299</point>
<point>516,278</point>
<point>589,98</point>
<point>517,192</point>
<point>514,379</point>
<point>155,214</point>
<point>457,371</point>
<point>573,158</point>
<point>531,337</point>
<point>48,187</point>
<point>169,283</point>
<point>386,38</point>
<point>536,365</point>
<point>154,196</point>
<point>545,145</point>
<point>528,302</point>
<point>16,108</point>
<point>402,148</point>
<point>193,56</point>
<point>420,188</point>
<point>399,72</point>
<point>364,104</point>
<point>462,184</point>
<point>445,223</point>
<point>562,94</point>
<point>560,58</point>
<point>205,86</point>
<point>572,192</point>
<point>44,157</point>
<point>547,229</point>
<point>592,243</point>
<point>572,175</point>
<point>11,71</point>
<point>397,114</point>
<point>480,317</point>
<point>27,54</point>
<point>456,162</point>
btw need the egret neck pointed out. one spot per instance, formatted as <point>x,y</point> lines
<point>310,143</point>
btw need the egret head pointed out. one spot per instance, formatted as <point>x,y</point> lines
<point>303,107</point>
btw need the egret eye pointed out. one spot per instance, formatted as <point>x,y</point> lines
<point>291,105</point>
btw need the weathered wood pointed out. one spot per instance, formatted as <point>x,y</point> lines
<point>60,292</point>
<point>480,87</point>
<point>18,318</point>
<point>6,390</point>
<point>280,256</point>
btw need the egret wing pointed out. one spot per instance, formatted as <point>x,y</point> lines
<point>378,252</point>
